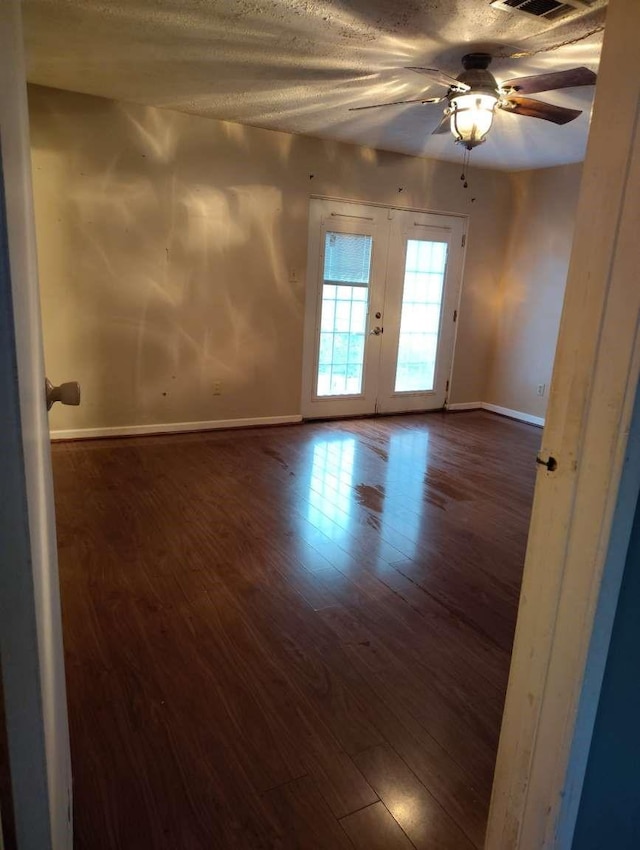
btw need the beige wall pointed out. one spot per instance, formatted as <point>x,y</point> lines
<point>167,244</point>
<point>533,284</point>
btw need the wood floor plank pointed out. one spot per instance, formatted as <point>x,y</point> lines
<point>268,630</point>
<point>421,817</point>
<point>374,828</point>
<point>461,794</point>
<point>304,819</point>
<point>339,781</point>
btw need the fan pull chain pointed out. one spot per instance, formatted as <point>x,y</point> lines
<point>465,168</point>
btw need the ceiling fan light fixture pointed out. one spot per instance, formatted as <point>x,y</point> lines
<point>471,117</point>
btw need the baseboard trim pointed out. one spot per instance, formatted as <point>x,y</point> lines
<point>172,428</point>
<point>529,418</point>
<point>465,405</point>
<point>256,422</point>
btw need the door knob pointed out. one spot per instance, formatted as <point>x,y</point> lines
<point>376,331</point>
<point>68,393</point>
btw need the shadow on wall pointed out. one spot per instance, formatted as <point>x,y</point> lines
<point>174,282</point>
<point>173,255</point>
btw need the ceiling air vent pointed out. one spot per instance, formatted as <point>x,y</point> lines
<point>548,9</point>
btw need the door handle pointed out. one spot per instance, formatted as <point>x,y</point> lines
<point>376,331</point>
<point>68,393</point>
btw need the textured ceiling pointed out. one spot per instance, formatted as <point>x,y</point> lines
<point>298,65</point>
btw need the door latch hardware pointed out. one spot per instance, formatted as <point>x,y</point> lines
<point>551,464</point>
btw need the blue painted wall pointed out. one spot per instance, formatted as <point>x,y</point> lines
<point>609,813</point>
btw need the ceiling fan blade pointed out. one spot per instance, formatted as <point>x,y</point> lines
<point>439,77</point>
<point>397,103</point>
<point>552,81</point>
<point>539,109</point>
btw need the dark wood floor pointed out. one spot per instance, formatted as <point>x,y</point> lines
<point>293,637</point>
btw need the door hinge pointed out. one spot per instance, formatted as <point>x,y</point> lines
<point>455,315</point>
<point>447,387</point>
<point>464,239</point>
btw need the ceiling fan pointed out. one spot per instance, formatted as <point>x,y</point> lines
<point>474,95</point>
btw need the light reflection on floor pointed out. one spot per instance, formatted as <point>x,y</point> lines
<point>331,485</point>
<point>335,496</point>
<point>404,491</point>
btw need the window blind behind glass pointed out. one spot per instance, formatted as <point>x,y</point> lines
<point>347,258</point>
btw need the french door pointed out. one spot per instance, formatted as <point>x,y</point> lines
<point>383,290</point>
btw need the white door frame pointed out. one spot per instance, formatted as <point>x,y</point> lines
<point>30,626</point>
<point>595,379</point>
<point>539,774</point>
<point>374,213</point>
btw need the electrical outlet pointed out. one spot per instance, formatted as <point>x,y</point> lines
<point>541,389</point>
<point>217,387</point>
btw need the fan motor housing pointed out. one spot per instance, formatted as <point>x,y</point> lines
<point>476,74</point>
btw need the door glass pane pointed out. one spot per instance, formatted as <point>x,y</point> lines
<point>343,319</point>
<point>420,317</point>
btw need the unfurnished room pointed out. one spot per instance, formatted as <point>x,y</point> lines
<point>304,280</point>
